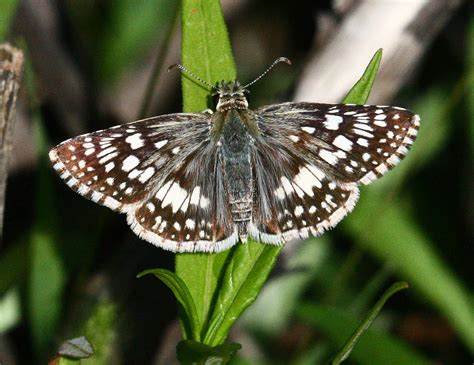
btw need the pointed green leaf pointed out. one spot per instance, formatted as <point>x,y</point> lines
<point>373,347</point>
<point>249,265</point>
<point>361,90</point>
<point>248,269</point>
<point>351,342</point>
<point>182,294</point>
<point>205,49</point>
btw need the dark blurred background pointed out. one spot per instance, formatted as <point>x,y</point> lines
<point>68,266</point>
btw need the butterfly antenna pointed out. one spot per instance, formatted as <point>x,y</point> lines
<point>184,69</point>
<point>277,61</point>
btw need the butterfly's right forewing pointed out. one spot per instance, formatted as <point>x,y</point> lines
<point>353,143</point>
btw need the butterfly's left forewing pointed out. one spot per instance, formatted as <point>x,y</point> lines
<point>163,172</point>
<point>310,158</point>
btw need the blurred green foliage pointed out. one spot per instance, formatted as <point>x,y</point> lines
<point>47,276</point>
<point>7,10</point>
<point>122,38</point>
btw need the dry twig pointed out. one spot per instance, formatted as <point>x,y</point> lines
<point>11,67</point>
<point>404,29</point>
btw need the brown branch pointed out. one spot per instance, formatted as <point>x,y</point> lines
<point>11,69</point>
<point>404,29</point>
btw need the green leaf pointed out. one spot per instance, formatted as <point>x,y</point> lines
<point>195,353</point>
<point>7,10</point>
<point>361,90</point>
<point>200,272</point>
<point>191,321</point>
<point>373,347</point>
<point>249,265</point>
<point>206,52</point>
<point>283,293</point>
<point>205,49</point>
<point>351,342</point>
<point>248,269</point>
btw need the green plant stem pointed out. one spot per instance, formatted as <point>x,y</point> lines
<point>349,345</point>
<point>158,66</point>
<point>206,51</point>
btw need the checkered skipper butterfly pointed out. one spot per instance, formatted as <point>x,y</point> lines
<point>202,182</point>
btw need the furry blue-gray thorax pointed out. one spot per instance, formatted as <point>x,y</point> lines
<point>231,96</point>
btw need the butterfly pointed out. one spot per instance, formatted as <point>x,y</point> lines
<point>202,182</point>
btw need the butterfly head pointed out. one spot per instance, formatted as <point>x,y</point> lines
<point>230,95</point>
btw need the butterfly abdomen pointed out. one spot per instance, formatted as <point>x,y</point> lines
<point>235,142</point>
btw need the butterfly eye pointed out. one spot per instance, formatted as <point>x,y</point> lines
<point>215,98</point>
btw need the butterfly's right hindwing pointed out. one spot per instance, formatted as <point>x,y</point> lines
<point>295,198</point>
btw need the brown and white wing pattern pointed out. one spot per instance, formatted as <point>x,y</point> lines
<point>311,157</point>
<point>149,170</point>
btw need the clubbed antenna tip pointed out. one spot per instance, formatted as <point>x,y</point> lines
<point>283,59</point>
<point>176,65</point>
<point>277,61</point>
